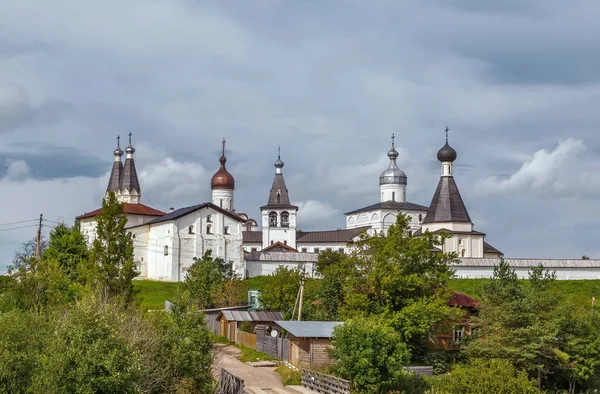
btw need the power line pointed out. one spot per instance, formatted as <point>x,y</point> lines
<point>17,228</point>
<point>23,221</point>
<point>52,221</point>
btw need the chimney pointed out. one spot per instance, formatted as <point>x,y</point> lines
<point>171,209</point>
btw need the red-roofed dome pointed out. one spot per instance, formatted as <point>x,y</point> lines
<point>222,178</point>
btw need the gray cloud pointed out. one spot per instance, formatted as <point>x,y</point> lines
<point>329,81</point>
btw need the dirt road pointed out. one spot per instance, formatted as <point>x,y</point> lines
<point>264,378</point>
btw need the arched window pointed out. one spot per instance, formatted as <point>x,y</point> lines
<point>462,253</point>
<point>208,229</point>
<point>273,219</point>
<point>285,219</point>
<point>393,196</point>
<point>420,218</point>
<point>166,250</point>
<point>278,197</point>
<point>226,230</point>
<point>191,229</point>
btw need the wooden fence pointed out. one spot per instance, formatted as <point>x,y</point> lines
<point>246,339</point>
<point>230,384</point>
<point>275,347</point>
<point>322,383</point>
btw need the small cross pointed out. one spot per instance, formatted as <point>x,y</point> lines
<point>118,141</point>
<point>393,138</point>
<point>279,152</point>
<point>223,152</point>
<point>447,129</point>
<point>130,137</point>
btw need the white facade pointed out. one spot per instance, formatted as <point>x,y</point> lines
<point>279,225</point>
<point>166,249</point>
<point>381,219</point>
<point>223,198</point>
<point>471,268</point>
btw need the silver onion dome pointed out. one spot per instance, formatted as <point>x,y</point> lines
<point>278,163</point>
<point>393,175</point>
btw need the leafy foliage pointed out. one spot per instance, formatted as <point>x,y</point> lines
<point>492,376</point>
<point>69,248</point>
<point>211,282</point>
<point>280,290</point>
<point>370,354</point>
<point>112,267</point>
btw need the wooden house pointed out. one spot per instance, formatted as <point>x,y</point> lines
<point>450,338</point>
<point>308,341</point>
<point>212,316</point>
<point>231,320</point>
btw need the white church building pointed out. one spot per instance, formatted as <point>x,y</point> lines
<point>166,243</point>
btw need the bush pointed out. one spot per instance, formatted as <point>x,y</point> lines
<point>370,354</point>
<point>492,376</point>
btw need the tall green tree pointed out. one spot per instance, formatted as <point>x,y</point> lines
<point>369,353</point>
<point>69,248</point>
<point>519,321</point>
<point>397,276</point>
<point>112,266</point>
<point>211,282</point>
<point>280,290</point>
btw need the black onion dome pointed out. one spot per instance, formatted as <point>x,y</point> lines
<point>447,153</point>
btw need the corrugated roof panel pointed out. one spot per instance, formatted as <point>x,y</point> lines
<point>309,329</point>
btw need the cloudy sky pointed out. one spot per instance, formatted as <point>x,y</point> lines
<point>518,83</point>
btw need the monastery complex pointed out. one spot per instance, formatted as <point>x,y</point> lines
<point>166,243</point>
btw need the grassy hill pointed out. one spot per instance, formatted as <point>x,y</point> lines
<point>155,293</point>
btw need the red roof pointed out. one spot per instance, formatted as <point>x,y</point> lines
<point>462,300</point>
<point>132,209</point>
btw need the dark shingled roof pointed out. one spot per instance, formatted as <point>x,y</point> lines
<point>278,196</point>
<point>395,205</point>
<point>447,204</point>
<point>252,236</point>
<point>487,248</point>
<point>445,230</point>
<point>130,180</point>
<point>187,210</point>
<point>114,181</point>
<point>132,209</point>
<point>462,300</point>
<point>330,236</point>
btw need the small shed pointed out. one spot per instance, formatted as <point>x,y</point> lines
<point>309,341</point>
<point>212,316</point>
<point>230,321</point>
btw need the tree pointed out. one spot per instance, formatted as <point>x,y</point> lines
<point>519,321</point>
<point>397,276</point>
<point>28,251</point>
<point>112,268</point>
<point>22,342</point>
<point>369,353</point>
<point>280,290</point>
<point>211,282</point>
<point>493,376</point>
<point>88,354</point>
<point>69,248</point>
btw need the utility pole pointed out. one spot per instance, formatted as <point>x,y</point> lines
<point>301,295</point>
<point>39,238</point>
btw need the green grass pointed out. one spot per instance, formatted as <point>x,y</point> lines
<point>154,293</point>
<point>289,377</point>
<point>249,355</point>
<point>579,292</point>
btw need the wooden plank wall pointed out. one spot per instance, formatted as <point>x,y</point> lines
<point>246,339</point>
<point>230,384</point>
<point>318,353</point>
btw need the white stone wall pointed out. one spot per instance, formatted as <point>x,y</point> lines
<point>381,220</point>
<point>313,247</point>
<point>393,192</point>
<point>465,245</point>
<point>470,272</point>
<point>273,234</point>
<point>223,198</point>
<point>185,238</point>
<point>264,268</point>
